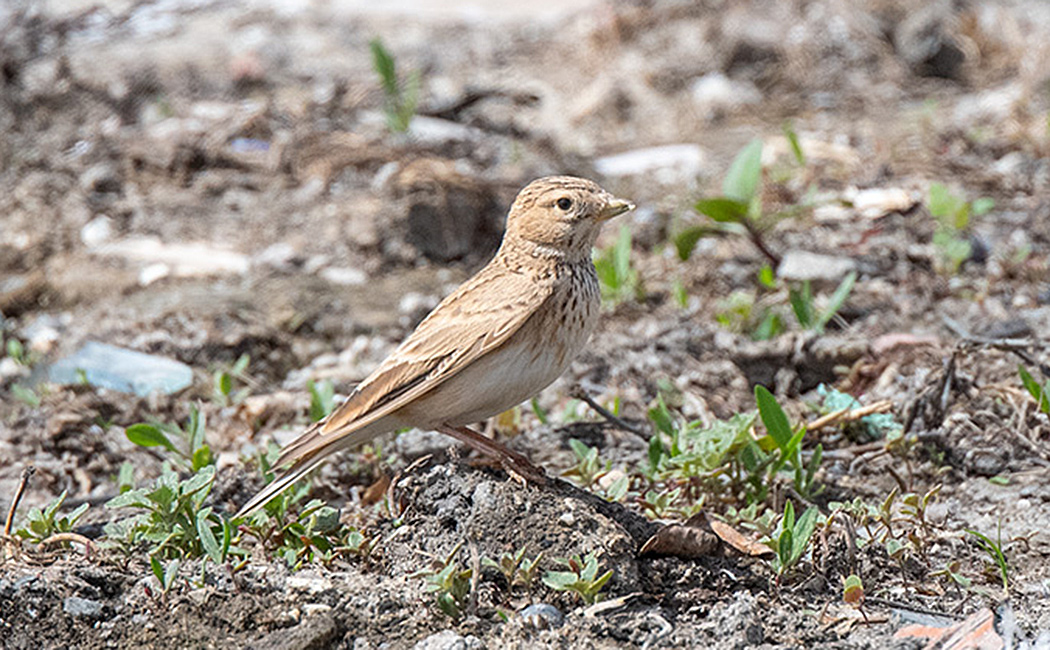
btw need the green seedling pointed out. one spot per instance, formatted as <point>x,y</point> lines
<point>173,520</point>
<point>43,524</point>
<point>322,399</point>
<point>853,591</point>
<point>516,569</point>
<point>739,209</point>
<point>994,549</point>
<point>223,383</point>
<point>450,584</point>
<point>1041,394</point>
<point>619,280</point>
<point>581,578</point>
<point>165,575</point>
<point>402,97</point>
<point>952,212</point>
<point>193,453</point>
<point>589,468</point>
<point>27,396</point>
<point>808,315</point>
<point>790,540</point>
<point>789,443</point>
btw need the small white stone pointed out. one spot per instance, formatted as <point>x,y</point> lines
<point>150,274</point>
<point>10,368</point>
<point>344,276</point>
<point>97,231</point>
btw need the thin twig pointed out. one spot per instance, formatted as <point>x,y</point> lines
<point>849,415</point>
<point>578,393</point>
<point>23,483</point>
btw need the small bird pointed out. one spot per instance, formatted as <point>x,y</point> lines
<point>500,338</point>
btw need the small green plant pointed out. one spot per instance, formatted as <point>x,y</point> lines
<point>790,540</point>
<point>303,534</point>
<point>952,212</point>
<point>450,584</point>
<point>1041,394</point>
<point>516,569</point>
<point>994,549</point>
<point>808,315</point>
<point>789,443</point>
<point>193,453</point>
<point>322,399</point>
<point>619,280</point>
<point>27,396</point>
<point>223,382</point>
<point>853,592</point>
<point>17,351</point>
<point>581,578</point>
<point>42,524</point>
<point>589,468</point>
<point>401,96</point>
<point>173,520</point>
<point>739,209</point>
<point>165,575</point>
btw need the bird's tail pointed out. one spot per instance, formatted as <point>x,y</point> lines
<point>301,468</point>
<point>305,453</point>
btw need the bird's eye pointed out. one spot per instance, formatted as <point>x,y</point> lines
<point>564,203</point>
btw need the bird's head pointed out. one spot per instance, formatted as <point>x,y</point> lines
<point>561,216</point>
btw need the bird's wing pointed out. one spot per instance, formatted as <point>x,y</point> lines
<point>473,321</point>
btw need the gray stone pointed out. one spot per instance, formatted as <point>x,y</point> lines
<point>128,371</point>
<point>542,616</point>
<point>802,265</point>
<point>82,608</point>
<point>449,640</point>
<point>673,163</point>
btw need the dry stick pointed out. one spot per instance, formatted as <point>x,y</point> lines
<point>22,485</point>
<point>620,423</point>
<point>849,415</point>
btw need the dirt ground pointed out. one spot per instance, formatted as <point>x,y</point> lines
<point>199,180</point>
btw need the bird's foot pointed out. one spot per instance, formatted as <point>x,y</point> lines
<point>517,465</point>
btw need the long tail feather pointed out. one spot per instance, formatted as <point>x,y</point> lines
<point>305,453</point>
<point>279,484</point>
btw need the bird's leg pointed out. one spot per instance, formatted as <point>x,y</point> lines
<point>517,465</point>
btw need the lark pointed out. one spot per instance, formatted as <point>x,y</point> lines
<point>500,338</point>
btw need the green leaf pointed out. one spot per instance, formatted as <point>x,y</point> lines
<point>804,528</point>
<point>742,179</point>
<point>766,277</point>
<point>723,210</point>
<point>837,299</point>
<point>982,205</point>
<point>685,241</point>
<point>773,417</point>
<point>130,499</point>
<point>384,66</point>
<point>768,327</point>
<point>202,458</point>
<point>208,542</point>
<point>1041,394</point>
<point>147,435</point>
<point>802,304</point>
<point>158,570</point>
<point>796,146</point>
<point>198,481</point>
<point>661,416</point>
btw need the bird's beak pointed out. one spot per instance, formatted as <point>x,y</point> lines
<point>613,208</point>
